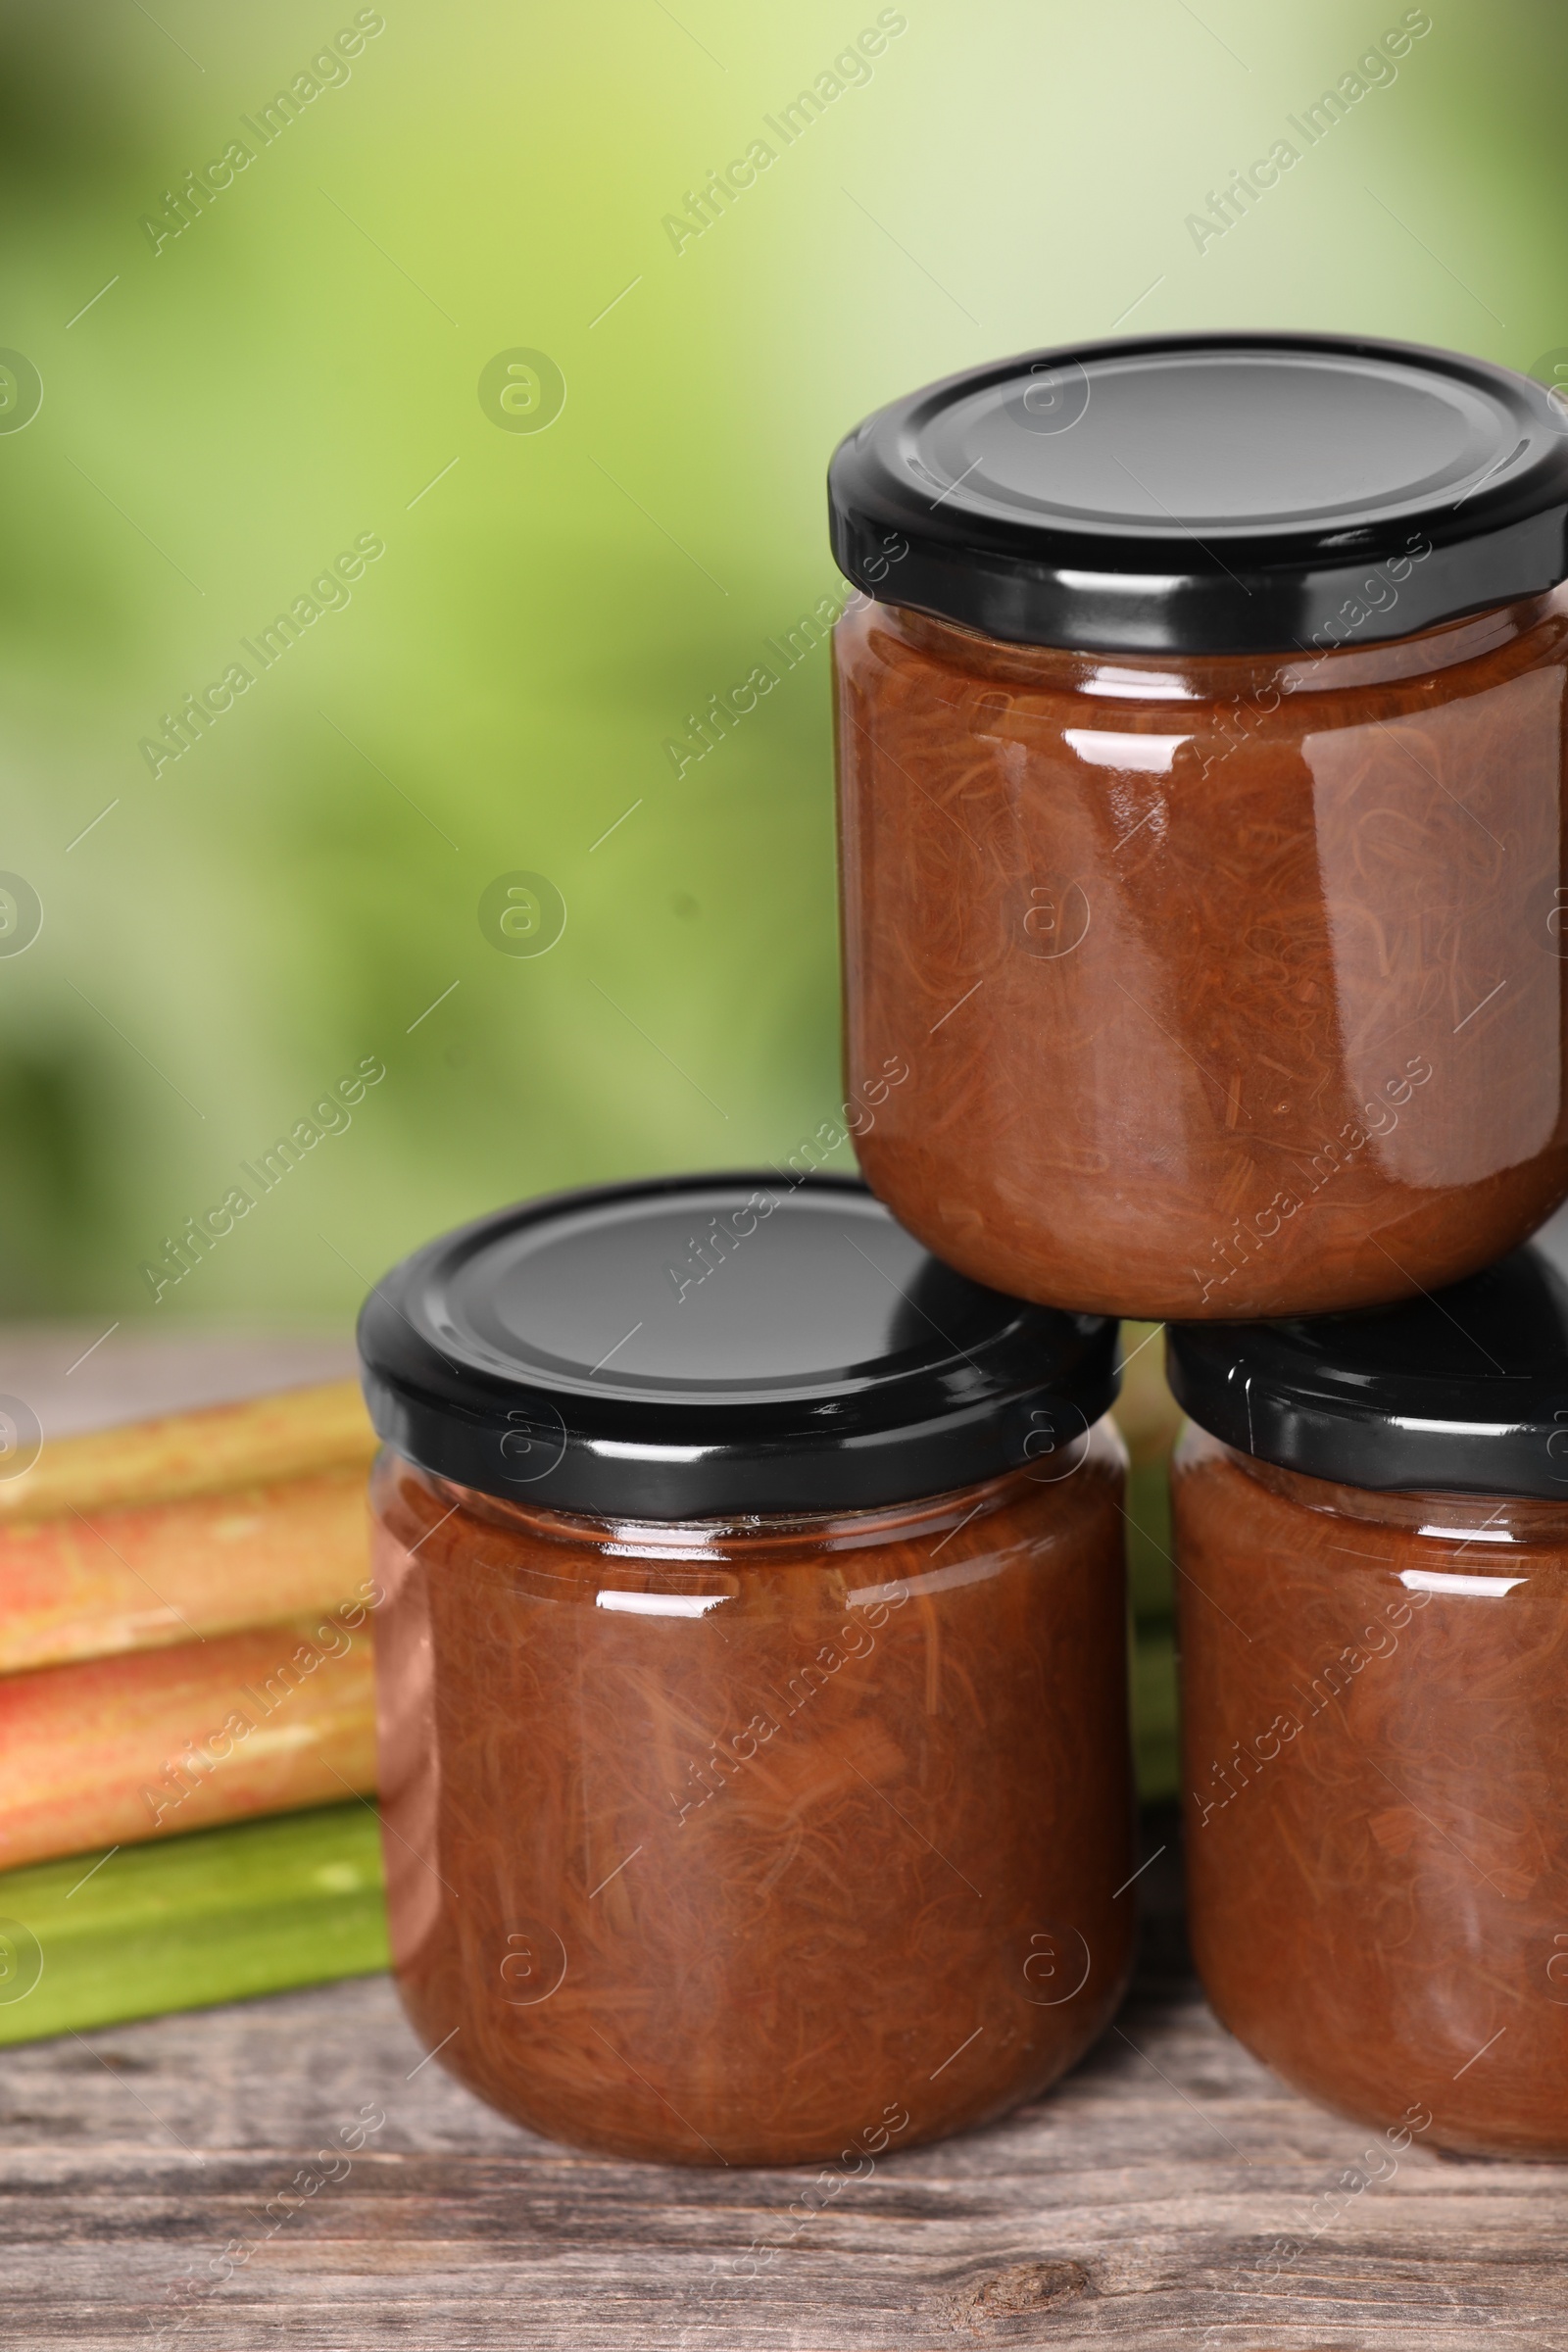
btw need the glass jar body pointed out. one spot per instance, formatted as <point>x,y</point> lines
<point>1226,986</point>
<point>1375,1725</point>
<point>760,1844</point>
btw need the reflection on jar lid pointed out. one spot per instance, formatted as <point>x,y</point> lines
<point>1464,1392</point>
<point>1208,494</point>
<point>707,1346</point>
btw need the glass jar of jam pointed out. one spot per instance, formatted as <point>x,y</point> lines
<point>1372,1536</point>
<point>752,1673</point>
<point>1201,759</point>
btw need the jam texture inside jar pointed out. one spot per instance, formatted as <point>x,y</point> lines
<point>755,1756</point>
<point>1375,1703</point>
<point>1201,765</point>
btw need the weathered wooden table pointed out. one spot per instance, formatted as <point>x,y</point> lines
<point>156,2182</point>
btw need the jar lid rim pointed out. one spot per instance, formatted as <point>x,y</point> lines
<point>1208,493</point>
<point>1462,1391</point>
<point>686,1346</point>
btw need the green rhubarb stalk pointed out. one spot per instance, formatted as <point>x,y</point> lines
<point>1151,1419</point>
<point>218,1915</point>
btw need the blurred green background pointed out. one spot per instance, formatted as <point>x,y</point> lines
<point>301,364</point>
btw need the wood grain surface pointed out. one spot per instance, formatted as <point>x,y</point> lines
<point>216,2183</point>
<point>1137,2205</point>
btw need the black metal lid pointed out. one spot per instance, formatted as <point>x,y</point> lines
<point>1464,1392</point>
<point>719,1346</point>
<point>1235,493</point>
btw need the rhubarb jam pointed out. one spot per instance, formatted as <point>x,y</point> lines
<point>753,1674</point>
<point>1200,745</point>
<point>1372,1541</point>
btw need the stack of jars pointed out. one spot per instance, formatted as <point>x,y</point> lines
<point>754,1725</point>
